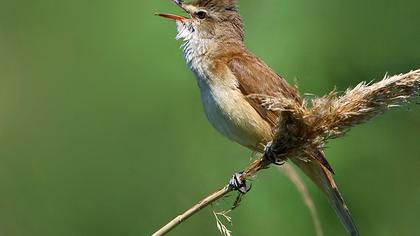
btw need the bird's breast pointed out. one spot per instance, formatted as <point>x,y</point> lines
<point>231,114</point>
<point>225,106</point>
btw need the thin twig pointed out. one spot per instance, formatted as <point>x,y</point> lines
<point>200,205</point>
<point>252,169</point>
<point>303,190</point>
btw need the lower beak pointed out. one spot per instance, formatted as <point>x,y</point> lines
<point>171,16</point>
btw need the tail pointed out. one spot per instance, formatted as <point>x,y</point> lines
<point>323,178</point>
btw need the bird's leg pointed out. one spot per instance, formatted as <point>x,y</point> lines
<point>270,155</point>
<point>238,184</point>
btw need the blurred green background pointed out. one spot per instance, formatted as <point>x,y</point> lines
<point>102,131</point>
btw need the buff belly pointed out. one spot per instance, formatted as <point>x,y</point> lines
<point>231,115</point>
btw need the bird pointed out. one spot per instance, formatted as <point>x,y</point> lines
<point>229,76</point>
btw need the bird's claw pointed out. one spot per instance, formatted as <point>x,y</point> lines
<point>238,184</point>
<point>270,155</point>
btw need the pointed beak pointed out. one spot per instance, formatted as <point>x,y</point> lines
<point>180,3</point>
<point>171,16</point>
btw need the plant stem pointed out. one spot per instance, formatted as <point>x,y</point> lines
<point>252,169</point>
<point>196,208</point>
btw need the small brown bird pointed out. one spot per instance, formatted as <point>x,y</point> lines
<point>229,76</point>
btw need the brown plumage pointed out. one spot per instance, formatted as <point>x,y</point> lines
<point>255,77</point>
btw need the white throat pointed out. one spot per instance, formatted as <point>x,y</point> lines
<point>194,48</point>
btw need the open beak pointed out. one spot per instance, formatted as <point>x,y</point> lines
<point>180,3</point>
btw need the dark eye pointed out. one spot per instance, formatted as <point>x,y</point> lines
<point>201,14</point>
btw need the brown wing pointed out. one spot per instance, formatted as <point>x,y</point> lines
<point>255,77</point>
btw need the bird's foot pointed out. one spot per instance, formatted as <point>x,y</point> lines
<point>271,156</point>
<point>238,184</point>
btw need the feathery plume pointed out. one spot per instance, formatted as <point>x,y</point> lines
<point>308,126</point>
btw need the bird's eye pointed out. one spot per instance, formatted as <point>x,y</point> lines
<point>201,14</point>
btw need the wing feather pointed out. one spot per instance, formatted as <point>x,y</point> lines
<point>256,78</point>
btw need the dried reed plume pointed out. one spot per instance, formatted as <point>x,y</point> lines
<point>309,125</point>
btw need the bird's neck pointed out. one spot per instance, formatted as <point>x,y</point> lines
<point>205,55</point>
<point>201,51</point>
<point>208,59</point>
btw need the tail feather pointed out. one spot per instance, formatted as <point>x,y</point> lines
<point>323,178</point>
<point>320,156</point>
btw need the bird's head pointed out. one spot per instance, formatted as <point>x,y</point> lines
<point>212,20</point>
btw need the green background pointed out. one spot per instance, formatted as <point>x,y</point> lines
<point>102,130</point>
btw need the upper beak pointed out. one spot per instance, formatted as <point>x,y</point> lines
<point>180,3</point>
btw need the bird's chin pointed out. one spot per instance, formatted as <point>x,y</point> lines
<point>185,30</point>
